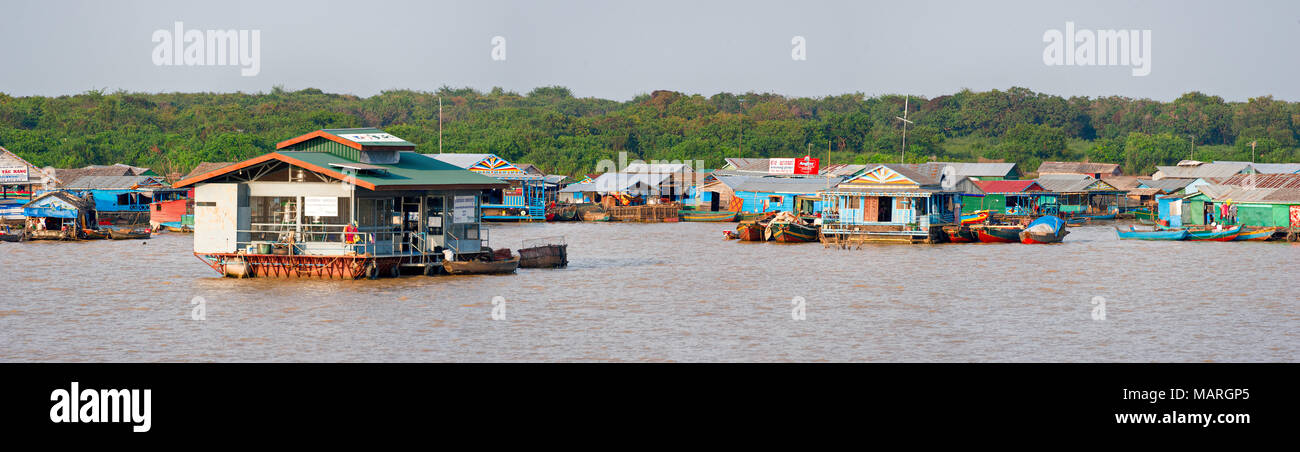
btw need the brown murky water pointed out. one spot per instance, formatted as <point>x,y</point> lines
<point>672,292</point>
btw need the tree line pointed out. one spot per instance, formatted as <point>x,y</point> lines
<point>563,134</point>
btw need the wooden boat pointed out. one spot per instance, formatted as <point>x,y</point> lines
<point>751,231</point>
<point>11,236</point>
<point>792,232</point>
<point>1132,233</point>
<point>1077,221</point>
<point>175,226</point>
<point>714,216</point>
<point>544,256</point>
<point>960,234</point>
<point>1210,235</point>
<point>1257,234</point>
<point>563,213</point>
<point>94,234</point>
<point>51,235</point>
<point>1045,229</point>
<point>1109,216</point>
<point>998,234</point>
<point>481,267</point>
<point>754,216</point>
<point>976,217</point>
<point>123,234</point>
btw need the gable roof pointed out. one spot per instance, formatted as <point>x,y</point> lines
<point>1204,170</point>
<point>1123,182</point>
<point>1007,186</point>
<point>114,182</point>
<point>1072,183</point>
<point>1263,180</point>
<point>1077,168</point>
<point>965,169</point>
<point>206,167</point>
<point>361,138</point>
<point>1168,185</point>
<point>1270,168</point>
<point>412,171</point>
<point>64,176</point>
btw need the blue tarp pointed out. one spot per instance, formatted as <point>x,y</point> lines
<point>1051,221</point>
<point>48,212</point>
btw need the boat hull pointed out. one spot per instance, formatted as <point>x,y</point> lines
<point>1257,235</point>
<point>749,232</point>
<point>1226,235</point>
<point>548,256</point>
<point>127,235</point>
<point>975,218</point>
<point>1030,238</point>
<point>958,234</point>
<point>707,216</point>
<point>480,267</point>
<point>1134,234</point>
<point>998,234</point>
<point>791,233</point>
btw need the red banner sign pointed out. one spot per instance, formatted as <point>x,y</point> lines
<point>807,165</point>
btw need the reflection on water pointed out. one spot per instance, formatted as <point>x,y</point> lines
<point>672,292</point>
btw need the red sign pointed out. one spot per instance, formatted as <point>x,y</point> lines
<point>806,165</point>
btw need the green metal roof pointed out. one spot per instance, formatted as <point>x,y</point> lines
<point>412,170</point>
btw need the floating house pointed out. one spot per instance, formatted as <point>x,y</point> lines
<point>337,203</point>
<point>523,199</point>
<point>766,194</point>
<point>59,215</point>
<point>19,181</point>
<point>125,200</point>
<point>1191,169</point>
<point>644,183</point>
<point>1255,206</point>
<point>984,171</point>
<point>891,203</point>
<point>1008,197</point>
<point>1079,194</point>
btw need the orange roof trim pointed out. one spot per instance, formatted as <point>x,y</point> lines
<point>272,156</point>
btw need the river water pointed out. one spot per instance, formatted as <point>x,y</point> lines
<point>672,292</point>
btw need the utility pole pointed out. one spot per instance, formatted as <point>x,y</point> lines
<point>439,124</point>
<point>1252,151</point>
<point>1193,156</point>
<point>902,155</point>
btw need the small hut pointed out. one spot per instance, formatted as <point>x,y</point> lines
<point>59,215</point>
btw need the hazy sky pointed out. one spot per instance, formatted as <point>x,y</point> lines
<point>618,49</point>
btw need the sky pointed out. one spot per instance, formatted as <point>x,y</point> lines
<point>619,49</point>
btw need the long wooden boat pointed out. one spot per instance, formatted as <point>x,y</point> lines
<point>175,226</point>
<point>792,232</point>
<point>481,267</point>
<point>1132,233</point>
<point>120,234</point>
<point>51,235</point>
<point>960,234</point>
<point>713,216</point>
<point>998,234</point>
<point>94,234</point>
<point>1109,216</point>
<point>1210,235</point>
<point>545,256</point>
<point>1077,221</point>
<point>975,217</point>
<point>12,236</point>
<point>1045,229</point>
<point>1257,234</point>
<point>754,216</point>
<point>751,231</point>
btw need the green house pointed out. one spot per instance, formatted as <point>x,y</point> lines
<point>1255,206</point>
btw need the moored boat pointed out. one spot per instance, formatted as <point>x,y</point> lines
<point>792,232</point>
<point>544,253</point>
<point>1077,221</point>
<point>751,231</point>
<point>1109,216</point>
<point>1132,233</point>
<point>1214,235</point>
<point>975,217</point>
<point>126,234</point>
<point>1258,234</point>
<point>960,234</point>
<point>94,234</point>
<point>476,267</point>
<point>11,236</point>
<point>997,233</point>
<point>754,216</point>
<point>716,216</point>
<point>1045,229</point>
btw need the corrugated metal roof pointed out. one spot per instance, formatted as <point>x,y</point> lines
<point>206,167</point>
<point>1168,185</point>
<point>576,188</point>
<point>1007,186</point>
<point>1122,182</point>
<point>1284,195</point>
<point>113,182</point>
<point>616,182</point>
<point>1270,168</point>
<point>787,185</point>
<point>981,169</point>
<point>1263,180</point>
<point>461,160</point>
<point>1078,168</point>
<point>1236,194</point>
<point>1204,170</point>
<point>1067,183</point>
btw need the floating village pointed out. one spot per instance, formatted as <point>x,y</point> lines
<point>362,203</point>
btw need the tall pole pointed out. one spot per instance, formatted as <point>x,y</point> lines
<point>1252,152</point>
<point>439,124</point>
<point>902,155</point>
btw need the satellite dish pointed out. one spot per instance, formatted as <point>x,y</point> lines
<point>948,180</point>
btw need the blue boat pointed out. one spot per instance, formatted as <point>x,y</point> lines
<point>1045,229</point>
<point>1109,216</point>
<point>1132,233</point>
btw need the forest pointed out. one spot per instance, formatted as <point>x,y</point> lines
<point>563,134</point>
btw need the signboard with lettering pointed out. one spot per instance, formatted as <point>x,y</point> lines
<point>807,165</point>
<point>780,166</point>
<point>463,212</point>
<point>320,206</point>
<point>12,174</point>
